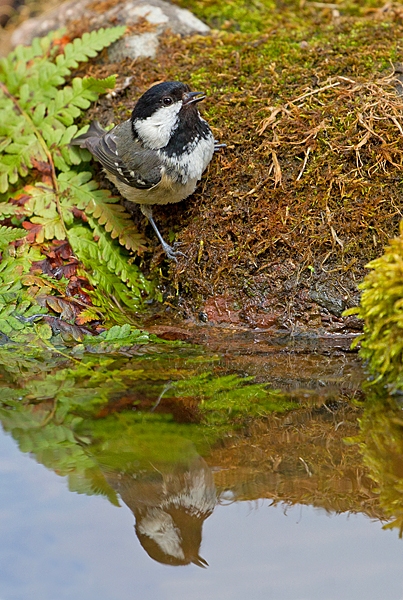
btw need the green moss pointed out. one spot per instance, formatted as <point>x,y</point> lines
<point>382,311</point>
<point>263,15</point>
<point>239,15</point>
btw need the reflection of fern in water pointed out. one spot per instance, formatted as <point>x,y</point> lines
<point>43,188</point>
<point>102,408</point>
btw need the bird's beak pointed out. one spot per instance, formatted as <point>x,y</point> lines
<point>192,97</point>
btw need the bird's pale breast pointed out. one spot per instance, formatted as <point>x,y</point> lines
<point>165,192</point>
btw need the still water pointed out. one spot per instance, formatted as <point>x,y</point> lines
<point>135,486</point>
<point>58,544</point>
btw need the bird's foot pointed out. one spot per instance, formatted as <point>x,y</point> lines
<point>172,253</point>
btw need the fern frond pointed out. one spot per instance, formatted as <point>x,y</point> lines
<point>111,264</point>
<point>7,210</point>
<point>16,305</point>
<point>117,222</point>
<point>41,200</point>
<point>21,145</point>
<point>67,103</point>
<point>81,192</point>
<point>36,126</point>
<point>88,46</point>
<point>9,234</point>
<point>87,315</point>
<point>47,223</point>
<point>105,251</point>
<point>34,112</point>
<point>51,228</point>
<point>109,291</point>
<point>50,71</point>
<point>110,255</point>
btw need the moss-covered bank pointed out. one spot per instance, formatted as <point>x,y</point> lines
<point>308,190</point>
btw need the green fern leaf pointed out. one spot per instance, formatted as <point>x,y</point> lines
<point>36,126</point>
<point>9,234</point>
<point>16,305</point>
<point>42,201</point>
<point>105,252</point>
<point>110,255</point>
<point>50,70</point>
<point>81,49</point>
<point>7,210</point>
<point>22,144</point>
<point>34,113</point>
<point>118,223</point>
<point>109,290</point>
<point>51,228</point>
<point>82,193</point>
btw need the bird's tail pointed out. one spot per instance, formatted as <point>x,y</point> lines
<point>94,131</point>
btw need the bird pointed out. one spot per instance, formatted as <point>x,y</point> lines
<point>159,154</point>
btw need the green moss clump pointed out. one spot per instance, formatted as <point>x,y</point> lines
<point>382,311</point>
<point>261,15</point>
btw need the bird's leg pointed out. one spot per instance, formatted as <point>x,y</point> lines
<point>169,251</point>
<point>217,146</point>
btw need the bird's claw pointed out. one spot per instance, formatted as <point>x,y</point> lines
<point>172,253</point>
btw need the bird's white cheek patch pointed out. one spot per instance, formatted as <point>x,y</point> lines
<point>155,131</point>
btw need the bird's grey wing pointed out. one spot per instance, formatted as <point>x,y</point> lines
<point>123,156</point>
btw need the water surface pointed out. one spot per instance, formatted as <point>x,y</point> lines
<point>263,474</point>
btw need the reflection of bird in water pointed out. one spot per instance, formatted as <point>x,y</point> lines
<point>170,506</point>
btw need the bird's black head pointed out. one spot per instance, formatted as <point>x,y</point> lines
<point>162,110</point>
<point>158,96</point>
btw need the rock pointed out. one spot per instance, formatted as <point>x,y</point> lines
<point>158,15</point>
<point>328,297</point>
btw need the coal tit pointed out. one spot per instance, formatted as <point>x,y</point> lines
<point>159,154</point>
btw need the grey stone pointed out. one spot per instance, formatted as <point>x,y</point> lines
<point>160,15</point>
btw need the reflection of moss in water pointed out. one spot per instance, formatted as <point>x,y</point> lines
<point>230,400</point>
<point>382,448</point>
<point>75,415</point>
<point>101,419</point>
<point>142,439</point>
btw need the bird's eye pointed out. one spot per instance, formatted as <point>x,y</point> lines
<point>167,101</point>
